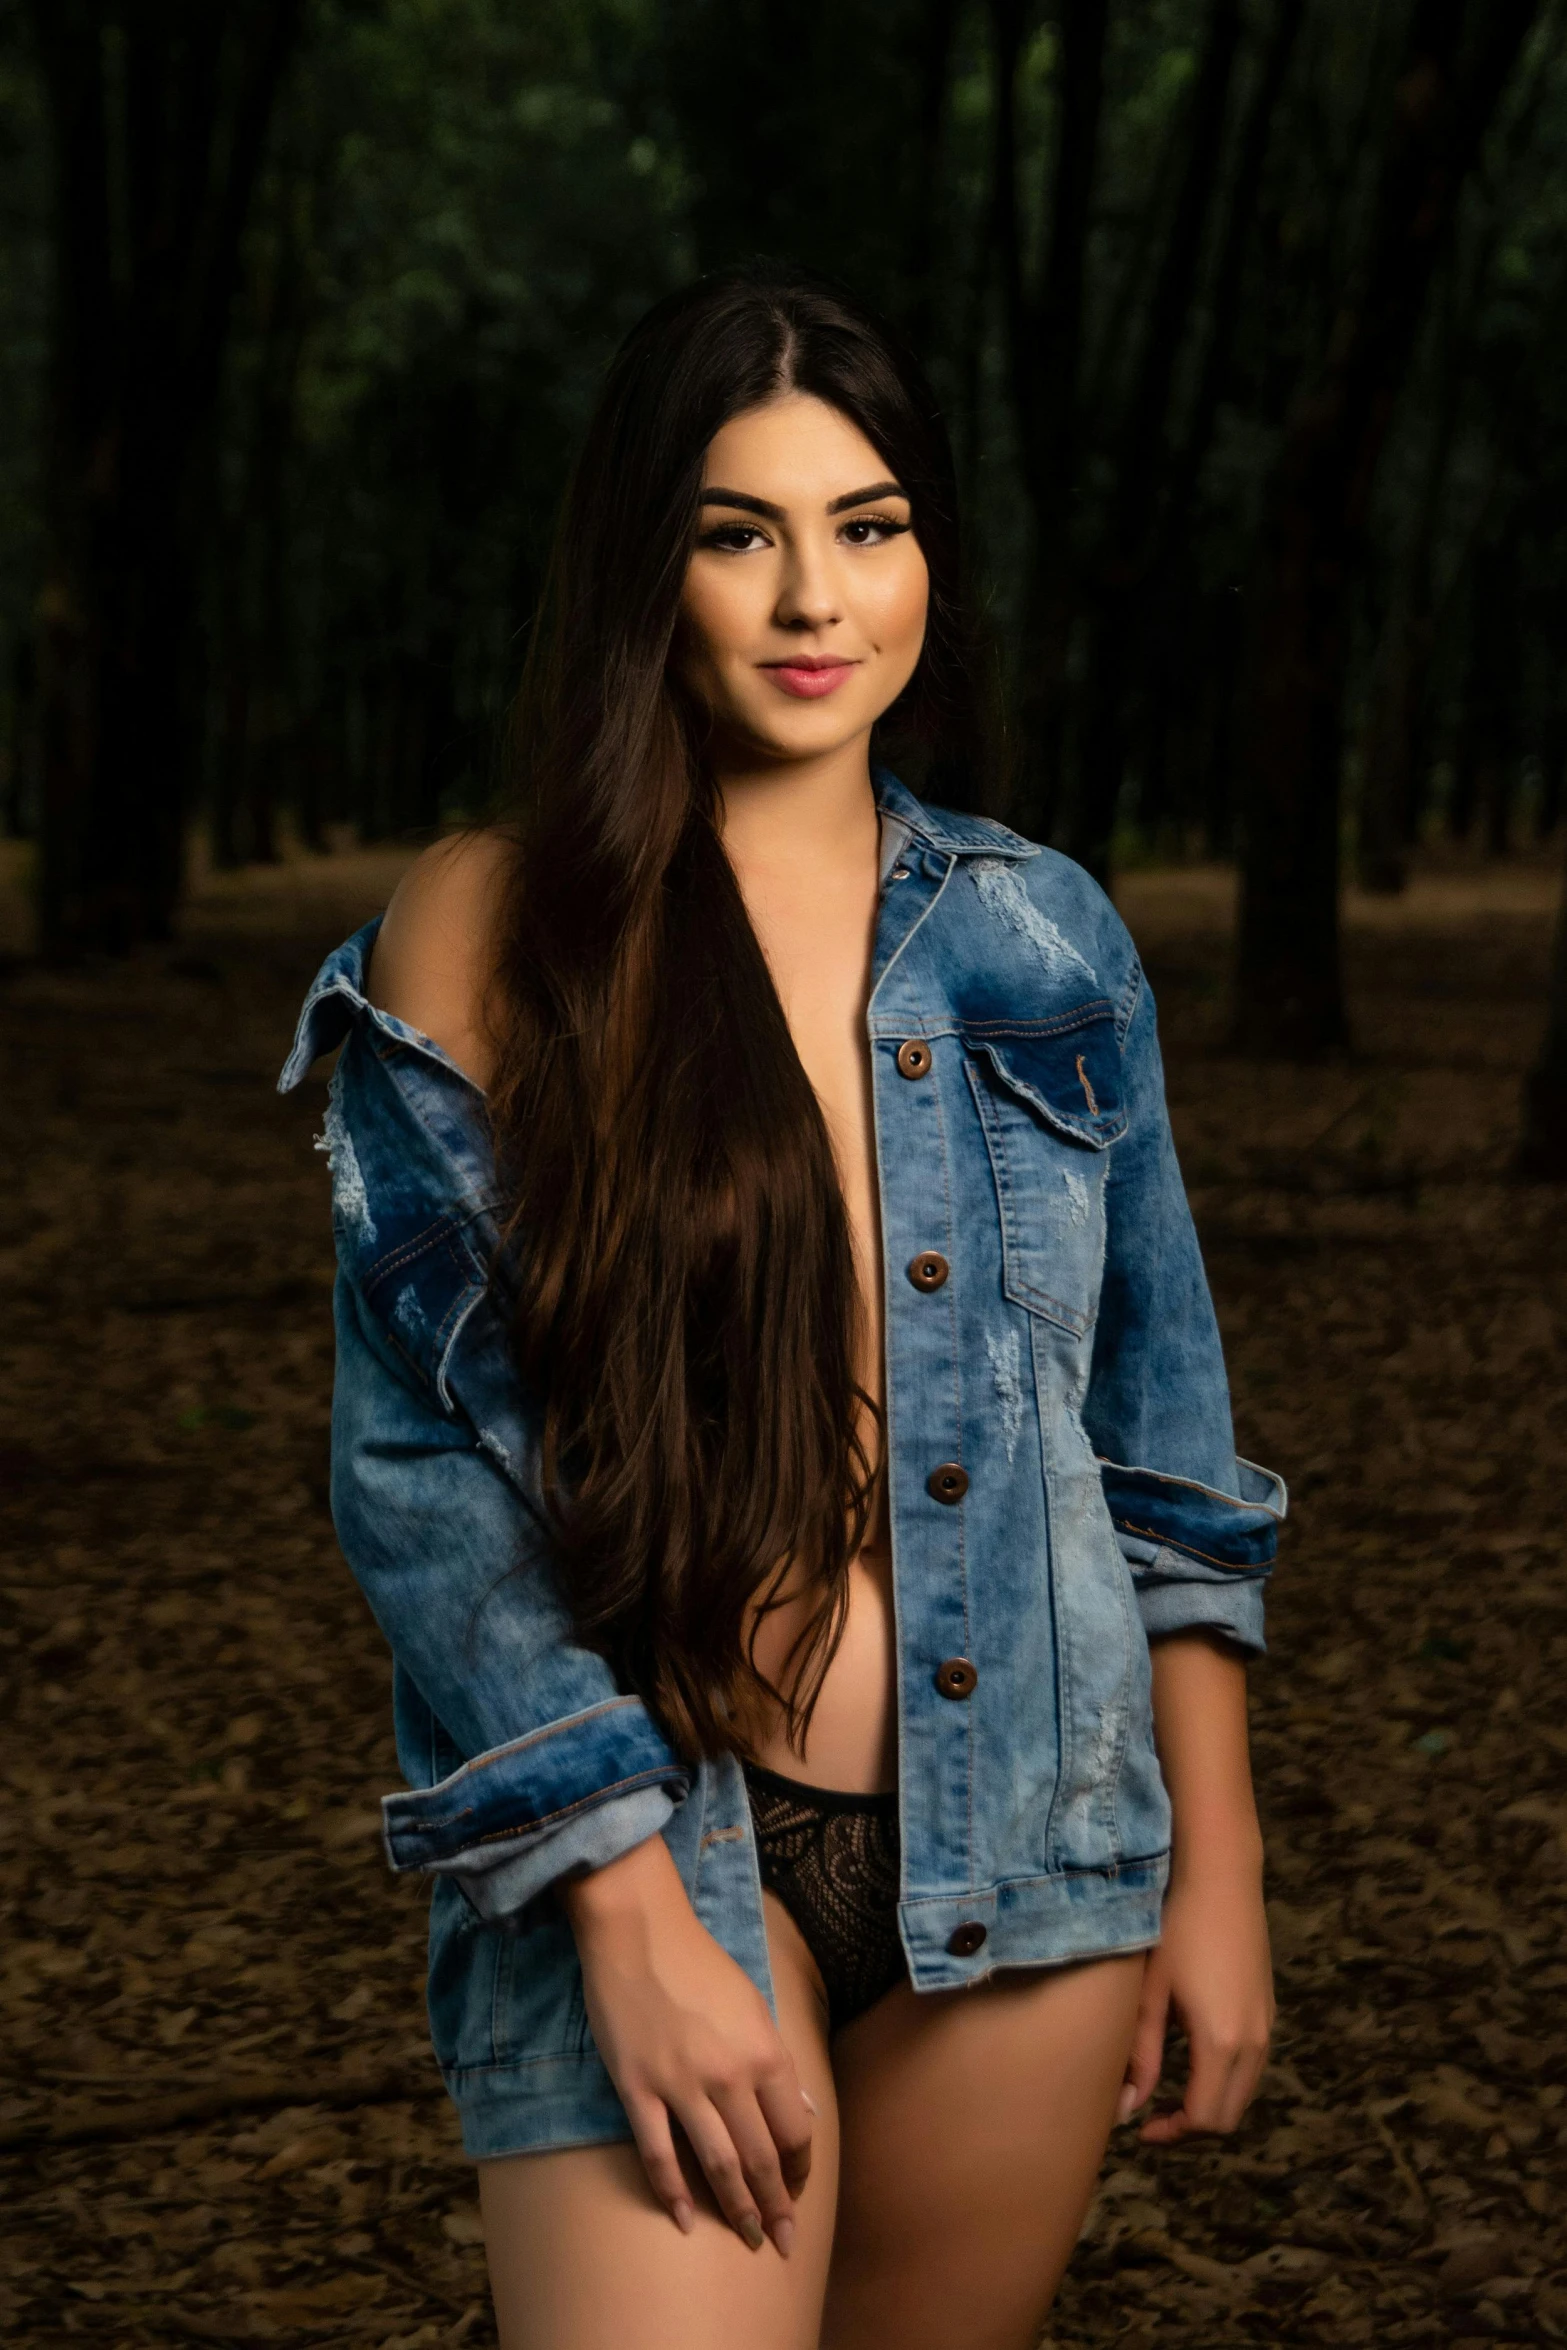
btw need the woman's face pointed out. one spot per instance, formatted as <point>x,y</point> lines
<point>803,611</point>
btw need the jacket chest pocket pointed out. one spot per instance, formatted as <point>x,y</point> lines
<point>1048,1094</point>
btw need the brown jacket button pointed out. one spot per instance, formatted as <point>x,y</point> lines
<point>914,1058</point>
<point>949,1483</point>
<point>964,1940</point>
<point>957,1677</point>
<point>929,1269</point>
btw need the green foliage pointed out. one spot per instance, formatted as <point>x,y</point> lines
<point>467,202</point>
<point>468,206</point>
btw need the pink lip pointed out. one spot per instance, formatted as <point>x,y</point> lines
<point>808,677</point>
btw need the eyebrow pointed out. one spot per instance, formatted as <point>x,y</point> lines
<point>770,513</point>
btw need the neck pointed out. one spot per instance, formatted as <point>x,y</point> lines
<point>807,809</point>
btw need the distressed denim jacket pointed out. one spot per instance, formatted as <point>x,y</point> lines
<point>1062,1480</point>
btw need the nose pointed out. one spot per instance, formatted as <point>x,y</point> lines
<point>808,595</point>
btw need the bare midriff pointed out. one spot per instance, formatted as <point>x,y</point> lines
<point>820,957</point>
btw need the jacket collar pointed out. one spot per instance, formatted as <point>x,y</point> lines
<point>945,828</point>
<point>338,996</point>
<point>337,1002</point>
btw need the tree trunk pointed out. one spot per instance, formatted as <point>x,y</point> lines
<point>937,32</point>
<point>1131,539</point>
<point>1396,739</point>
<point>1541,1156</point>
<point>1045,352</point>
<point>1289,986</point>
<point>1256,139</point>
<point>1393,742</point>
<point>1553,760</point>
<point>21,752</point>
<point>158,123</point>
<point>1492,685</point>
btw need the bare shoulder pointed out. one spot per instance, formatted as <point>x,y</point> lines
<point>434,953</point>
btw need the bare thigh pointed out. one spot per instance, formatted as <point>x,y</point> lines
<point>971,2129</point>
<point>583,2258</point>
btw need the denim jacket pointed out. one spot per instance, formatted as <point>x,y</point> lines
<point>1062,1481</point>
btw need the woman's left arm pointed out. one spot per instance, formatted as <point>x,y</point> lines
<point>1212,1968</point>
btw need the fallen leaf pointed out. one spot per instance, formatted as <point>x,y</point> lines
<point>1288,2264</point>
<point>318,2145</point>
<point>353,2289</point>
<point>1474,2263</point>
<point>1541,1811</point>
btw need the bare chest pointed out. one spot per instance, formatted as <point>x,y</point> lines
<point>820,960</point>
<point>818,936</point>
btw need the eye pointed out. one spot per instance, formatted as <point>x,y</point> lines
<point>733,538</point>
<point>872,530</point>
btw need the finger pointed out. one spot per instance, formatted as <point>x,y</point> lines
<point>1146,2061</point>
<point>723,2170</point>
<point>1218,2089</point>
<point>754,2143</point>
<point>1241,2087</point>
<point>649,2118</point>
<point>1212,2064</point>
<point>787,2113</point>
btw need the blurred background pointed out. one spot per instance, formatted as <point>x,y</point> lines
<point>1250,321</point>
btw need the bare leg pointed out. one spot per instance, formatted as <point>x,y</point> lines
<point>972,2125</point>
<point>582,2257</point>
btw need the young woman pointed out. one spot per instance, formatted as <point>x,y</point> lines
<point>781,1427</point>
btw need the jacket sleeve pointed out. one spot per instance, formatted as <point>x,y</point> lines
<point>1198,1525</point>
<point>526,1763</point>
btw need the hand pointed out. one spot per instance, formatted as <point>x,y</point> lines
<point>688,2038</point>
<point>1214,1969</point>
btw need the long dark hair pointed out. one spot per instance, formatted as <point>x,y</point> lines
<point>686,1302</point>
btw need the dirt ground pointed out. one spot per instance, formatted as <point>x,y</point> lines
<point>219,2121</point>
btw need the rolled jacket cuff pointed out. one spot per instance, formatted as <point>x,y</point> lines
<point>1154,1511</point>
<point>497,1882</point>
<point>516,1796</point>
<point>1233,1606</point>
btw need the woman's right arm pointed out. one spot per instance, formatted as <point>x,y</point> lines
<point>688,2039</point>
<point>560,1781</point>
<point>529,1768</point>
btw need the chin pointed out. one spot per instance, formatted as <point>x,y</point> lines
<point>807,732</point>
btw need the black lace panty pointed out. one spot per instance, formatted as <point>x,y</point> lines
<point>833,1862</point>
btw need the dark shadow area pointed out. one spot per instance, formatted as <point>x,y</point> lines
<point>221,2121</point>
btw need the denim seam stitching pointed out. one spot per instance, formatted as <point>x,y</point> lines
<point>1018,1288</point>
<point>1131,997</point>
<point>1173,1542</point>
<point>428,1237</point>
<point>1123,1590</point>
<point>1060,1648</point>
<point>1067,1125</point>
<point>962,1530</point>
<point>898,952</point>
<point>1089,1014</point>
<point>653,1776</point>
<point>1233,1501</point>
<point>588,1713</point>
<point>1119,1868</point>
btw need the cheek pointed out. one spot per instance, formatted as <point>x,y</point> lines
<point>901,601</point>
<point>718,609</point>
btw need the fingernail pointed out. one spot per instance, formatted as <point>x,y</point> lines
<point>751,2232</point>
<point>783,2237</point>
<point>1126,2104</point>
<point>809,2102</point>
<point>684,2217</point>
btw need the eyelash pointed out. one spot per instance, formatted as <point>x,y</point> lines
<point>721,538</point>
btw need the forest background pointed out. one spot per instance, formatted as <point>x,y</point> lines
<point>1249,317</point>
